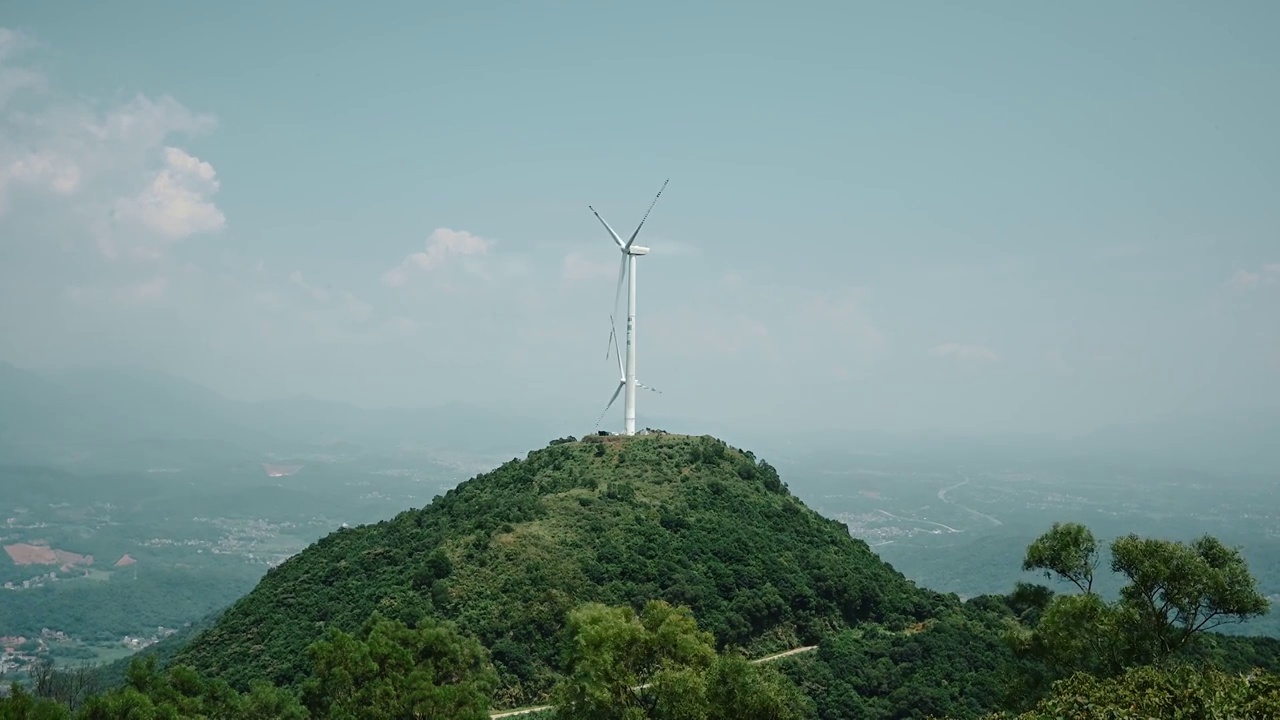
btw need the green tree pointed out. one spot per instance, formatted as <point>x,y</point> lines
<point>737,689</point>
<point>182,693</point>
<point>268,702</point>
<point>67,687</point>
<point>623,665</point>
<point>1150,693</point>
<point>1174,591</point>
<point>657,664</point>
<point>394,671</point>
<point>21,705</point>
<point>124,703</point>
<point>1069,551</point>
<point>1078,633</point>
<point>508,554</point>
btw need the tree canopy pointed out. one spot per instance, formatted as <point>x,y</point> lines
<point>1174,592</point>
<point>1149,693</point>
<point>632,578</point>
<point>657,664</point>
<point>615,520</point>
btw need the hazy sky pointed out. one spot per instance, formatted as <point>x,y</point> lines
<point>988,216</point>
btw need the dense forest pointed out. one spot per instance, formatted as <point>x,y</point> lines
<point>613,520</point>
<point>127,602</point>
<point>648,577</point>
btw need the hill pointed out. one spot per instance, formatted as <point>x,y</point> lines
<point>123,419</point>
<point>618,520</point>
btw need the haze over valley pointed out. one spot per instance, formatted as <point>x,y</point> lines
<point>102,561</point>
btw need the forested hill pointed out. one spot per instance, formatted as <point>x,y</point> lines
<point>618,520</point>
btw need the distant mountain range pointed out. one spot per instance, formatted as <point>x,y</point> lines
<point>125,417</point>
<point>114,416</point>
<point>1242,442</point>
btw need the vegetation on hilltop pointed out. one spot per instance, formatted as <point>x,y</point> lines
<point>613,520</point>
<point>658,663</point>
<point>623,578</point>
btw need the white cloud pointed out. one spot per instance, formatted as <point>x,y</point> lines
<point>144,122</point>
<point>176,204</point>
<point>106,174</point>
<point>12,42</point>
<point>150,289</point>
<point>963,352</point>
<point>1267,274</point>
<point>674,248</point>
<point>44,170</point>
<point>344,305</point>
<point>1244,279</point>
<point>118,295</point>
<point>317,293</point>
<point>15,79</point>
<point>442,244</point>
<point>353,309</point>
<point>842,315</point>
<point>799,332</point>
<point>577,267</point>
<point>86,182</point>
<point>1058,363</point>
<point>731,336</point>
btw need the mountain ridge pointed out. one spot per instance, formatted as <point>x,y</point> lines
<point>130,418</point>
<point>612,519</point>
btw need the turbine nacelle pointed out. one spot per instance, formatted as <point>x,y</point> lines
<point>638,250</point>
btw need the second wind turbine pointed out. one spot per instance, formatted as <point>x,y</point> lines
<point>627,268</point>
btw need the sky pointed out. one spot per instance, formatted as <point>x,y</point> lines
<point>984,217</point>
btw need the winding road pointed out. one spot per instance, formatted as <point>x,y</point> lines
<point>942,495</point>
<point>916,520</point>
<point>545,708</point>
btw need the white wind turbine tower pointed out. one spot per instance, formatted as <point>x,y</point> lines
<point>630,251</point>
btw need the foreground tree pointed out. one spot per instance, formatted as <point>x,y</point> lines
<point>394,671</point>
<point>738,689</point>
<point>182,693</point>
<point>1150,693</point>
<point>68,687</point>
<point>1177,590</point>
<point>1068,551</point>
<point>624,665</point>
<point>657,664</point>
<point>1174,592</point>
<point>21,705</point>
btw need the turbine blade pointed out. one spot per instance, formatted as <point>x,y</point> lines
<point>651,389</point>
<point>616,351</point>
<point>612,340</point>
<point>613,234</point>
<point>627,247</point>
<point>617,293</point>
<point>611,401</point>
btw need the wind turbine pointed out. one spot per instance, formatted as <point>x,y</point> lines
<point>622,377</point>
<point>630,251</point>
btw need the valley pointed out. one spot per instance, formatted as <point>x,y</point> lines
<point>195,565</point>
<point>963,527</point>
<point>96,568</point>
